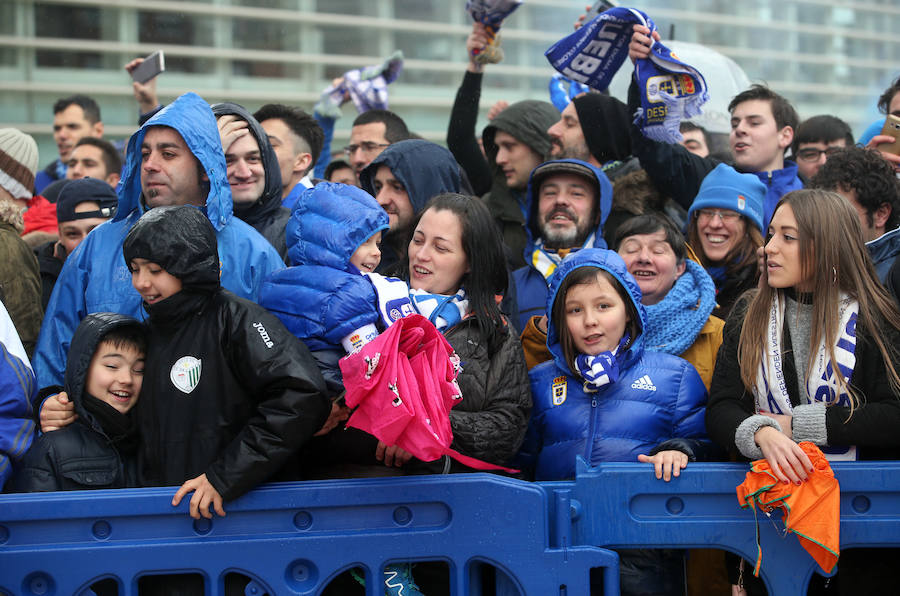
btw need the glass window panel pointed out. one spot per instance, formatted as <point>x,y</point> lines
<point>71,22</point>
<point>175,29</point>
<point>351,41</point>
<point>265,35</point>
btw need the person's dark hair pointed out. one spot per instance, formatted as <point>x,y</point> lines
<point>868,175</point>
<point>821,129</point>
<point>884,102</point>
<point>395,129</point>
<point>651,223</point>
<point>301,124</point>
<point>112,159</point>
<point>334,165</point>
<point>487,276</point>
<point>90,107</point>
<point>128,336</point>
<point>687,126</point>
<point>782,110</point>
<point>584,276</point>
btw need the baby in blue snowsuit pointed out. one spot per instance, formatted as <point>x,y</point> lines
<point>324,299</point>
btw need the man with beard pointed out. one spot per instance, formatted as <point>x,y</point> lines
<point>568,201</point>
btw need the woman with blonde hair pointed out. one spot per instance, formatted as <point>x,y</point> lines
<point>812,356</point>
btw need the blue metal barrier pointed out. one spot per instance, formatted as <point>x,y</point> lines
<point>294,538</point>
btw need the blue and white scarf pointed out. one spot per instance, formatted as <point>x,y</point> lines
<point>771,393</point>
<point>392,295</point>
<point>564,90</point>
<point>367,87</point>
<point>600,370</point>
<point>671,91</point>
<point>547,260</point>
<point>443,311</point>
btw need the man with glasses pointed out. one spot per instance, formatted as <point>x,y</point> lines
<point>373,131</point>
<point>816,140</point>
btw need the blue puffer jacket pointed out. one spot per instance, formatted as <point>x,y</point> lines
<point>531,286</point>
<point>322,298</point>
<point>658,402</point>
<point>95,277</point>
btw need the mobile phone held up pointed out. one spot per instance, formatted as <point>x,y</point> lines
<point>597,8</point>
<point>892,129</point>
<point>152,65</point>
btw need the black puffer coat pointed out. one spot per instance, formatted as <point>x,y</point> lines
<point>232,393</point>
<point>82,455</point>
<point>491,420</point>
<point>266,215</point>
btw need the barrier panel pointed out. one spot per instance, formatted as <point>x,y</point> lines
<point>293,538</point>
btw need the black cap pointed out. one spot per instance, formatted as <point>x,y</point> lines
<point>82,190</point>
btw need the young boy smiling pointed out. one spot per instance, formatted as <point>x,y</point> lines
<point>104,375</point>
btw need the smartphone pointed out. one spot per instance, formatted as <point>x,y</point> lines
<point>598,7</point>
<point>152,65</point>
<point>891,128</point>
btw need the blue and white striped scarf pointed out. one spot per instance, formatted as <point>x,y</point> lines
<point>602,369</point>
<point>444,311</point>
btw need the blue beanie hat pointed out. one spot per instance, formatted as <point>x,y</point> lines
<point>726,188</point>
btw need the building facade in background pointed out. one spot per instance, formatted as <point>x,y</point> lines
<point>827,56</point>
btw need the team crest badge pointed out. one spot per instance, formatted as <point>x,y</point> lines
<point>185,373</point>
<point>559,391</point>
<point>741,202</point>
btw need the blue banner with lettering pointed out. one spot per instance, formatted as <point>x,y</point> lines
<point>671,91</point>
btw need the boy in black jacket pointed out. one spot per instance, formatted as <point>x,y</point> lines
<point>230,394</point>
<point>104,373</point>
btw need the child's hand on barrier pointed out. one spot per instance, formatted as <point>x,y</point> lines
<point>204,496</point>
<point>666,463</point>
<point>391,455</point>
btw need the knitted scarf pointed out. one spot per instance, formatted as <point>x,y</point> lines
<point>675,321</point>
<point>671,91</point>
<point>771,393</point>
<point>602,369</point>
<point>366,86</point>
<point>443,311</point>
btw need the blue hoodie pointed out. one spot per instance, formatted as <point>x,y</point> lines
<point>323,298</point>
<point>657,403</point>
<point>95,277</point>
<point>531,285</point>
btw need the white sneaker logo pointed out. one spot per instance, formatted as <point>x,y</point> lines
<point>644,383</point>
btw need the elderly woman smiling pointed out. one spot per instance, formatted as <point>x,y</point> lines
<point>678,295</point>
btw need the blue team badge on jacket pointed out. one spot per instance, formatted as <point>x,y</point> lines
<point>559,391</point>
<point>185,373</point>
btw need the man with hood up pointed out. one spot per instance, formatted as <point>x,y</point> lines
<point>403,179</point>
<point>175,158</point>
<point>253,173</point>
<point>568,201</point>
<point>515,142</point>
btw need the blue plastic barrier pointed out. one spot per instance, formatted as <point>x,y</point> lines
<point>294,538</point>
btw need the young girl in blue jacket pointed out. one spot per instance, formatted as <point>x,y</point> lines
<point>604,398</point>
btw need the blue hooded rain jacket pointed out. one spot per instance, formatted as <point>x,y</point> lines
<point>95,277</point>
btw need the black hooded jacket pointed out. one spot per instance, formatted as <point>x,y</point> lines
<point>266,215</point>
<point>83,455</point>
<point>425,169</point>
<point>229,391</point>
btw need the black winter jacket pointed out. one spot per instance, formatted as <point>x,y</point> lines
<point>491,420</point>
<point>82,455</point>
<point>873,426</point>
<point>229,391</point>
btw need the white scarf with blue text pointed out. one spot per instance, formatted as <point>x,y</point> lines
<point>771,393</point>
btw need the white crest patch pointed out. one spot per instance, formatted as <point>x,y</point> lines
<point>185,373</point>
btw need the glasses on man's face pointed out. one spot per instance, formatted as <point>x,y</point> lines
<point>812,154</point>
<point>726,215</point>
<point>367,147</point>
